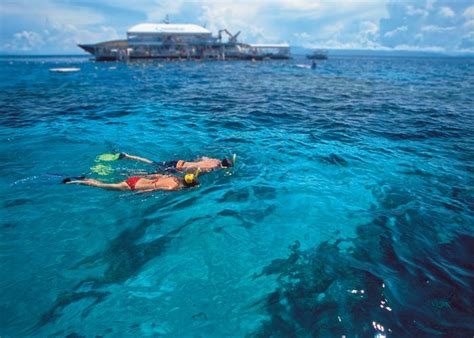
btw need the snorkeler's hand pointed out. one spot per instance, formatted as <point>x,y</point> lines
<point>74,182</point>
<point>73,179</point>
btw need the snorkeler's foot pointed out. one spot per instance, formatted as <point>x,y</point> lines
<point>73,179</point>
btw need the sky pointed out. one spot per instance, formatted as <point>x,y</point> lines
<point>57,26</point>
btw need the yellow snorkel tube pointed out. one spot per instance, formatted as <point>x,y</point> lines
<point>191,179</point>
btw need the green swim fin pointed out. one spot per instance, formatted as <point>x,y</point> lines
<point>102,169</point>
<point>108,157</point>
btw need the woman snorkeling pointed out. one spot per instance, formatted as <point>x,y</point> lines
<point>143,183</point>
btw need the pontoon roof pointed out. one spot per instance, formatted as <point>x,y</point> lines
<point>164,28</point>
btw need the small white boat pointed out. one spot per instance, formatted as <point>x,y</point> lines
<point>303,66</point>
<point>64,70</point>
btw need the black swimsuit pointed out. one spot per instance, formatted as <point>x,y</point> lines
<point>166,166</point>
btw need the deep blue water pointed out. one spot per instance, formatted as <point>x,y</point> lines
<point>350,210</point>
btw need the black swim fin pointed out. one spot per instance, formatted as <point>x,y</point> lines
<point>69,179</point>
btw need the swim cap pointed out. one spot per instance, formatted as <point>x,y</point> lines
<point>191,179</point>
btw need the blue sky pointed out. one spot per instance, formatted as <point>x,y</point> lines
<point>56,26</point>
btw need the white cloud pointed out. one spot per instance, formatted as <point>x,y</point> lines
<point>469,12</point>
<point>369,27</point>
<point>469,36</point>
<point>54,12</point>
<point>446,12</point>
<point>414,11</point>
<point>68,36</point>
<point>368,35</point>
<point>396,31</point>
<point>235,18</point>
<point>25,41</point>
<point>158,11</point>
<point>469,24</point>
<point>302,36</point>
<point>58,25</point>
<point>364,36</point>
<point>62,37</point>
<point>264,20</point>
<point>333,44</point>
<point>300,5</point>
<point>430,4</point>
<point>407,47</point>
<point>333,29</point>
<point>436,29</point>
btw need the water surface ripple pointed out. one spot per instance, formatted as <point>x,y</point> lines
<point>349,213</point>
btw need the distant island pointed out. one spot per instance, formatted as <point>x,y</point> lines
<point>298,50</point>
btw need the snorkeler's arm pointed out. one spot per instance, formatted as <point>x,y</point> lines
<point>136,158</point>
<point>205,166</point>
<point>192,166</point>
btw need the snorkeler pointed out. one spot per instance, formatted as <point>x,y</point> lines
<point>143,183</point>
<point>205,164</point>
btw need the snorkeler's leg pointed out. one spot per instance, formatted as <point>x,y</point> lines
<point>136,158</point>
<point>94,183</point>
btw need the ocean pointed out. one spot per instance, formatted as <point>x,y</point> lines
<point>349,212</point>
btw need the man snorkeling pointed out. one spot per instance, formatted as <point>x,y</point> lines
<point>205,164</point>
<point>143,183</point>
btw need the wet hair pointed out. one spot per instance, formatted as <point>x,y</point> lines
<point>227,163</point>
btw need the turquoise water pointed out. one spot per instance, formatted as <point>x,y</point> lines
<point>350,210</point>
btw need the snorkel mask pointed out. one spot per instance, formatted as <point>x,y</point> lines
<point>228,163</point>
<point>191,180</point>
